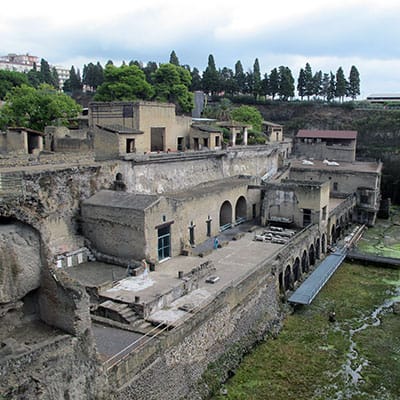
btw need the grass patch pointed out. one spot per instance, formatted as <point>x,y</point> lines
<point>306,360</point>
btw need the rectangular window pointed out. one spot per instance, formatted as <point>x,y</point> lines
<point>127,111</point>
<point>335,186</point>
<point>217,141</point>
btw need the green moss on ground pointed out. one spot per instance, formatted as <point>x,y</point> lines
<point>384,238</point>
<point>306,360</point>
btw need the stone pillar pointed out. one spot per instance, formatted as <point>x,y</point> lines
<point>245,136</point>
<point>233,137</point>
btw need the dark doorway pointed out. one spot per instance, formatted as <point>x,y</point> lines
<point>241,209</point>
<point>208,222</point>
<point>157,139</point>
<point>130,146</point>
<point>195,143</point>
<point>179,145</point>
<point>225,213</point>
<point>306,216</point>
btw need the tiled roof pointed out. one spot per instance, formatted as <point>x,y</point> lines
<point>326,134</point>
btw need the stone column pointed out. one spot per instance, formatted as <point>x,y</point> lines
<point>245,136</point>
<point>233,137</point>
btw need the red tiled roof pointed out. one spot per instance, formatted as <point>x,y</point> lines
<point>325,134</point>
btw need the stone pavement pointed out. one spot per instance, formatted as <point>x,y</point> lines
<point>231,262</point>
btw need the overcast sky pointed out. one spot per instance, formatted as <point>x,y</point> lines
<point>327,34</point>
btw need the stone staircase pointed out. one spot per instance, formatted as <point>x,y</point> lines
<point>116,311</point>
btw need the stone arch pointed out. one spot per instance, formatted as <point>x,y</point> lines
<point>296,270</point>
<point>317,249</point>
<point>311,255</point>
<point>225,213</point>
<point>241,208</point>
<point>304,262</point>
<point>287,279</point>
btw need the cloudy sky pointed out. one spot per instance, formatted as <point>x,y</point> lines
<point>327,34</point>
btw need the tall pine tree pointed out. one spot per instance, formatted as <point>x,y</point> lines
<point>354,83</point>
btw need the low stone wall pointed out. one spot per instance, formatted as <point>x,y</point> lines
<point>207,347</point>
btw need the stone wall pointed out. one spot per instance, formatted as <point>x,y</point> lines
<point>220,333</point>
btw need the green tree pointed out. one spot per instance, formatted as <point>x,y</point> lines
<point>317,83</point>
<point>341,84</point>
<point>196,80</point>
<point>211,78</point>
<point>45,74</point>
<point>173,59</point>
<point>274,83</point>
<point>354,83</point>
<point>149,71</point>
<point>124,83</point>
<point>34,77</point>
<point>325,86</point>
<point>240,77</point>
<point>308,81</point>
<point>172,84</point>
<point>248,115</point>
<point>286,83</point>
<point>227,81</point>
<point>55,78</point>
<point>37,108</point>
<point>256,79</point>
<point>301,84</point>
<point>74,83</point>
<point>10,79</point>
<point>265,86</point>
<point>331,88</point>
<point>92,76</point>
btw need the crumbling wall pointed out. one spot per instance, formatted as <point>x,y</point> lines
<point>20,262</point>
<point>60,368</point>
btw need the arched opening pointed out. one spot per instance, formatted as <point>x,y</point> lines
<point>296,270</point>
<point>241,209</point>
<point>323,243</point>
<point>225,214</point>
<point>333,234</point>
<point>281,283</point>
<point>118,177</point>
<point>287,283</point>
<point>311,255</point>
<point>317,249</point>
<point>304,262</point>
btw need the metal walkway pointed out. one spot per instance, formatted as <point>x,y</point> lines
<point>309,289</point>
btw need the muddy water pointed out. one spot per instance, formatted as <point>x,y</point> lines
<point>351,370</point>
